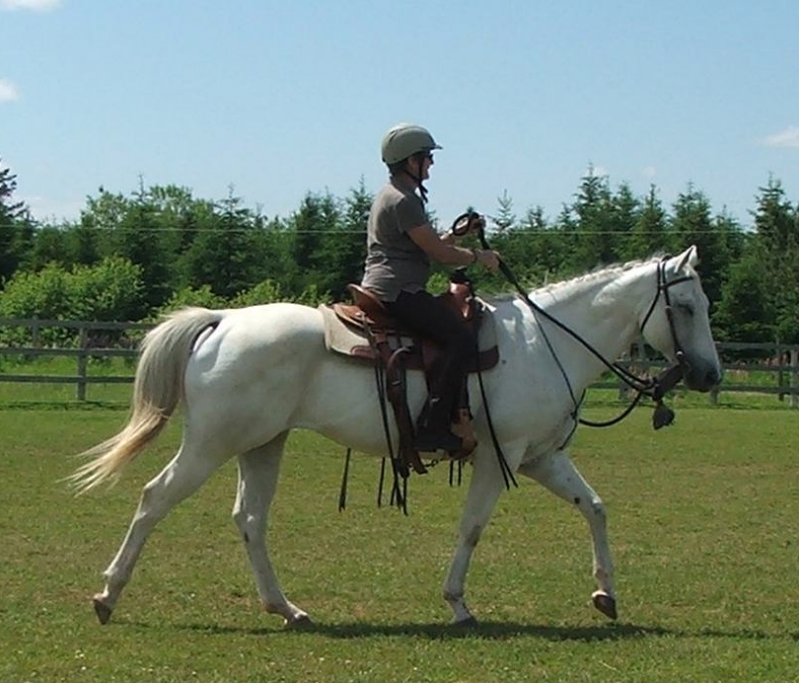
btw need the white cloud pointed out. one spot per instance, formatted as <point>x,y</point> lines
<point>34,5</point>
<point>649,172</point>
<point>8,91</point>
<point>785,138</point>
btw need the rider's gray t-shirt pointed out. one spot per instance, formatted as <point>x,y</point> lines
<point>394,263</point>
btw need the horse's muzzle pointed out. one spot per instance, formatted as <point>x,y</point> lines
<point>702,378</point>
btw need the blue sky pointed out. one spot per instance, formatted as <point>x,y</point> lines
<point>277,99</point>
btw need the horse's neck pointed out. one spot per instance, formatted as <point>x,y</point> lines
<point>603,308</point>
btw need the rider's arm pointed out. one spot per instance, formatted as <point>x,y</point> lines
<point>437,249</point>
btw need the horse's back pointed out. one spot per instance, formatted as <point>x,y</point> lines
<point>250,343</point>
<point>253,326</point>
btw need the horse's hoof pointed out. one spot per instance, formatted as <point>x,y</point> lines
<point>605,604</point>
<point>298,623</point>
<point>102,610</point>
<point>469,622</point>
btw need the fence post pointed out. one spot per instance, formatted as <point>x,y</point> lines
<point>36,337</point>
<point>82,364</point>
<point>794,370</point>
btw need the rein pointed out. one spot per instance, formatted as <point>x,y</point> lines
<point>655,388</point>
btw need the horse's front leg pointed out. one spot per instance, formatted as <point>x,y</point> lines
<point>557,472</point>
<point>484,489</point>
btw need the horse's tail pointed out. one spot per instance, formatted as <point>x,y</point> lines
<point>157,390</point>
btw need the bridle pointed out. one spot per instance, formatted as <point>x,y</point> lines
<point>682,364</point>
<point>653,387</point>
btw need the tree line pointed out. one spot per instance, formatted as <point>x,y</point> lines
<point>132,257</point>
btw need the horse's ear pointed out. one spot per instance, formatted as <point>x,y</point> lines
<point>689,257</point>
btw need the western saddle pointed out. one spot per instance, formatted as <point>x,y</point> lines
<point>393,349</point>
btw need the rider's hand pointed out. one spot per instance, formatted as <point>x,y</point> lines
<point>470,223</point>
<point>477,224</point>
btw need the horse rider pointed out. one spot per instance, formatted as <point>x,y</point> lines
<point>401,243</point>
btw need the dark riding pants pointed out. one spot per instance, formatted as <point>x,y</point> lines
<point>430,317</point>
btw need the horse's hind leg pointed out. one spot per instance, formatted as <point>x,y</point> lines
<point>258,472</point>
<point>187,471</point>
<point>557,472</point>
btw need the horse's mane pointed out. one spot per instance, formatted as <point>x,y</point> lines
<point>601,272</point>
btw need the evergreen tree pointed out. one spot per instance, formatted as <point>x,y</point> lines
<point>83,243</point>
<point>567,231</point>
<point>775,220</point>
<point>316,230</point>
<point>526,248</point>
<point>746,310</point>
<point>138,239</point>
<point>595,231</point>
<point>271,247</point>
<point>692,224</point>
<point>777,235</point>
<point>9,210</point>
<point>505,218</point>
<point>16,227</point>
<point>222,256</point>
<point>649,235</point>
<point>352,249</point>
<point>622,217</point>
<point>49,246</point>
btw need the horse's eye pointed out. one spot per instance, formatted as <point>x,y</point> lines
<point>686,309</point>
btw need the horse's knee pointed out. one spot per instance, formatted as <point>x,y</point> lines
<point>244,523</point>
<point>593,509</point>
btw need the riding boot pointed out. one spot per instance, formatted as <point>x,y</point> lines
<point>433,428</point>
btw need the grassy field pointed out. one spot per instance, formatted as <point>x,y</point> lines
<point>702,518</point>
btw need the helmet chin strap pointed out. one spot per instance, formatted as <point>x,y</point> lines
<point>419,183</point>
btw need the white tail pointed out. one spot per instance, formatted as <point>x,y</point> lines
<point>157,391</point>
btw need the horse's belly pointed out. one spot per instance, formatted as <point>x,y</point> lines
<point>342,403</point>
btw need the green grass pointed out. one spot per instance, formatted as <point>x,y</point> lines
<point>702,519</point>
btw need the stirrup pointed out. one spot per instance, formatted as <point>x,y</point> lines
<point>430,441</point>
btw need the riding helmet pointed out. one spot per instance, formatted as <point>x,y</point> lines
<point>405,140</point>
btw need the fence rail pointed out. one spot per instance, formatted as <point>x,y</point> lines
<point>778,362</point>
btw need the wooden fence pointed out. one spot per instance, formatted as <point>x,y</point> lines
<point>86,347</point>
<point>779,364</point>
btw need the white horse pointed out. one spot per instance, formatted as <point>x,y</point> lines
<point>248,376</point>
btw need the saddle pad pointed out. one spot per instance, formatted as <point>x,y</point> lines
<point>351,341</point>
